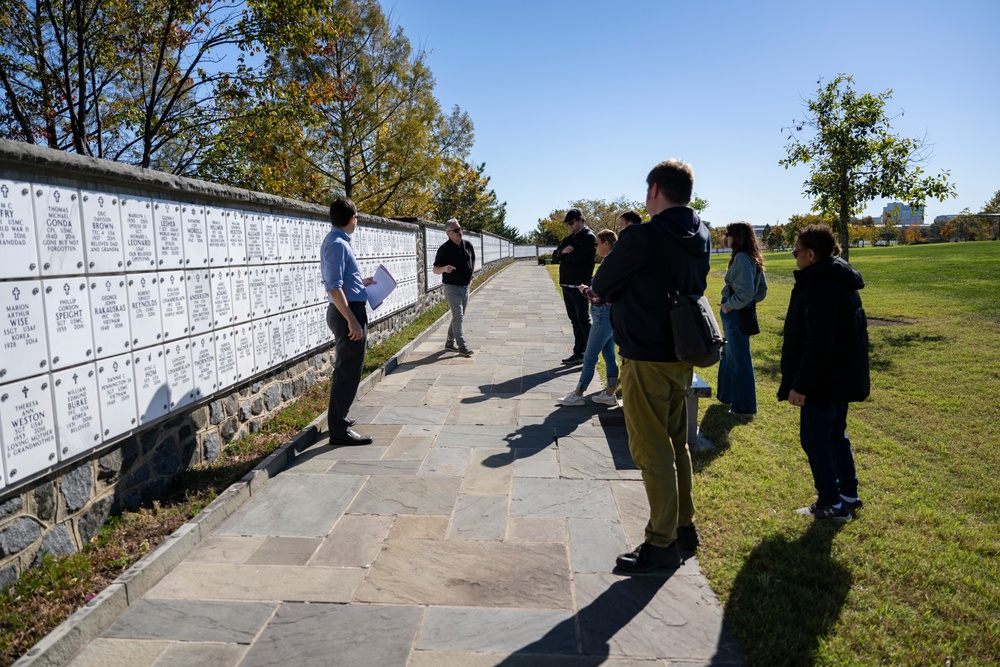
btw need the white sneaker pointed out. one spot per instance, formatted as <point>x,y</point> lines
<point>605,399</point>
<point>570,399</point>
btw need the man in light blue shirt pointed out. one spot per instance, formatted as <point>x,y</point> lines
<point>347,318</point>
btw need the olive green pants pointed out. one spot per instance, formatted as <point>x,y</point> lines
<point>654,399</point>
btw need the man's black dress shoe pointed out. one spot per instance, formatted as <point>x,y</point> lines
<point>647,558</point>
<point>350,437</point>
<point>573,359</point>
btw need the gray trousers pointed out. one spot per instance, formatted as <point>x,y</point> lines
<point>458,300</point>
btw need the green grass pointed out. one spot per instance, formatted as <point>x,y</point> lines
<point>915,579</point>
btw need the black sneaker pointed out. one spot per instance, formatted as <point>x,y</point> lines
<point>852,505</point>
<point>451,346</point>
<point>647,558</point>
<point>687,538</point>
<point>464,352</point>
<point>573,359</point>
<point>823,511</point>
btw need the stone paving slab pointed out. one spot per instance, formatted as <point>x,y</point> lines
<point>480,528</point>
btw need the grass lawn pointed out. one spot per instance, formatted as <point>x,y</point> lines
<point>915,578</point>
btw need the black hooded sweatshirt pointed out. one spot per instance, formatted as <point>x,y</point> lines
<point>633,278</point>
<point>824,355</point>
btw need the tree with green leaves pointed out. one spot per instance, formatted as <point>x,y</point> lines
<point>855,158</point>
<point>463,192</point>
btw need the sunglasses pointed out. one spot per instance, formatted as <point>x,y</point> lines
<point>795,253</point>
<point>457,230</point>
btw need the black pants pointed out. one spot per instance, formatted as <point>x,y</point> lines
<point>578,309</point>
<point>348,362</point>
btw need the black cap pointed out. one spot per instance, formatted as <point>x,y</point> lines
<point>573,214</point>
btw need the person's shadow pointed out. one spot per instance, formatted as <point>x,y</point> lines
<point>787,597</point>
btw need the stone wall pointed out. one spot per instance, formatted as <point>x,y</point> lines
<point>61,509</point>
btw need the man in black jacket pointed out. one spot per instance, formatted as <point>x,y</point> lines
<point>654,383</point>
<point>575,256</point>
<point>455,262</point>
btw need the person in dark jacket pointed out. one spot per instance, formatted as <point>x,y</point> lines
<point>455,262</point>
<point>575,255</point>
<point>824,366</point>
<point>654,383</point>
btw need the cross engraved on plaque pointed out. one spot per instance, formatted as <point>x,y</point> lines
<point>144,309</point>
<point>22,330</point>
<point>116,389</point>
<point>137,230</point>
<point>261,345</point>
<point>109,312</point>
<point>244,351</point>
<point>218,239</point>
<point>58,229</point>
<point>180,373</point>
<point>199,290</point>
<point>78,415</point>
<point>203,361</point>
<point>173,304</point>
<point>225,358</point>
<point>195,233</point>
<point>152,393</point>
<point>169,243</point>
<point>28,429</point>
<point>18,244</point>
<point>67,321</point>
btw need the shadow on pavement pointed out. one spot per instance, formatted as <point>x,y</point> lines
<point>787,597</point>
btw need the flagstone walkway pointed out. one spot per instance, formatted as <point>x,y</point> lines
<point>480,528</point>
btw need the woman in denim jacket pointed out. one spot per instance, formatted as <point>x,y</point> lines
<point>745,285</point>
<point>601,340</point>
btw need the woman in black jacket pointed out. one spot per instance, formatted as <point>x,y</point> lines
<point>824,366</point>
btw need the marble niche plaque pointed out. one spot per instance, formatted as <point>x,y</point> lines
<point>291,338</point>
<point>284,238</point>
<point>314,290</point>
<point>102,232</point>
<point>236,228</point>
<point>287,282</point>
<point>173,304</point>
<point>316,319</point>
<point>276,339</point>
<point>203,362</point>
<point>295,249</point>
<point>199,292</point>
<point>144,309</point>
<point>137,230</point>
<point>218,238</point>
<point>308,239</point>
<point>58,229</point>
<point>28,428</point>
<point>273,277</point>
<point>225,358</point>
<point>109,315</point>
<point>243,342</point>
<point>222,298</point>
<point>195,233</point>
<point>301,330</point>
<point>152,392</point>
<point>67,321</point>
<point>255,238</point>
<point>270,236</point>
<point>258,292</point>
<point>299,285</point>
<point>116,390</point>
<point>240,282</point>
<point>18,244</point>
<point>22,330</point>
<point>169,235</point>
<point>180,372</point>
<point>261,345</point>
<point>78,412</point>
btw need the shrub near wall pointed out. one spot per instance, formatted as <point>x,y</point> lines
<point>60,505</point>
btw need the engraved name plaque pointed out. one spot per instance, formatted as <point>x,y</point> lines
<point>258,292</point>
<point>273,277</point>
<point>109,312</point>
<point>169,242</point>
<point>240,281</point>
<point>225,358</point>
<point>255,238</point>
<point>222,301</point>
<point>301,330</point>
<point>308,239</point>
<point>296,252</point>
<point>276,339</point>
<point>314,289</point>
<point>261,345</point>
<point>243,336</point>
<point>22,330</point>
<point>270,227</point>
<point>236,227</point>
<point>58,229</point>
<point>152,392</point>
<point>290,335</point>
<point>203,361</point>
<point>180,372</point>
<point>116,389</point>
<point>218,239</point>
<point>137,230</point>
<point>174,304</point>
<point>18,244</point>
<point>287,287</point>
<point>195,234</point>
<point>299,285</point>
<point>284,238</point>
<point>28,428</point>
<point>199,290</point>
<point>67,321</point>
<point>102,232</point>
<point>144,309</point>
<point>78,411</point>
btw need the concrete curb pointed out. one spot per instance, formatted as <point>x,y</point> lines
<point>88,622</point>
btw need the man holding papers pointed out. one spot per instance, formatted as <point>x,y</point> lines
<point>347,318</point>
<point>455,262</point>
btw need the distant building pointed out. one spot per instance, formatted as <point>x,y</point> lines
<point>943,218</point>
<point>902,215</point>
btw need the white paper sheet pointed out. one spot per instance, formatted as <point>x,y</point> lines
<point>381,288</point>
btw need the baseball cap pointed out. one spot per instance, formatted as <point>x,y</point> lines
<point>573,214</point>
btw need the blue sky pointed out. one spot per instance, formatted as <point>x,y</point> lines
<point>578,99</point>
